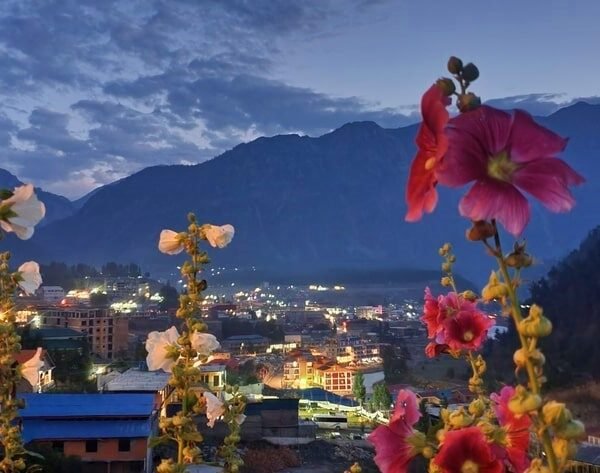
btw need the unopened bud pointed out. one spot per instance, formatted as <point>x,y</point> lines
<point>494,290</point>
<point>477,407</point>
<point>521,356</point>
<point>467,102</point>
<point>446,267</point>
<point>537,466</point>
<point>446,281</point>
<point>535,324</point>
<point>460,418</point>
<point>564,449</point>
<point>469,295</point>
<point>446,85</point>
<point>455,65</point>
<point>445,249</point>
<point>480,230</point>
<point>524,401</point>
<point>470,72</point>
<point>572,430</point>
<point>556,414</point>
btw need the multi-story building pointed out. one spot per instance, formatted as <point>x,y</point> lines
<point>352,349</point>
<point>52,294</point>
<point>107,332</point>
<point>298,371</point>
<point>335,378</point>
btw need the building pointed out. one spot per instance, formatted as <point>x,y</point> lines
<point>45,380</point>
<point>352,349</point>
<point>136,380</point>
<point>298,371</point>
<point>214,374</point>
<point>246,344</point>
<point>59,338</point>
<point>335,378</point>
<point>107,332</point>
<point>369,312</point>
<point>109,432</point>
<point>52,294</point>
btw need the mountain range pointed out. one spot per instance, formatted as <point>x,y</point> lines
<point>306,205</point>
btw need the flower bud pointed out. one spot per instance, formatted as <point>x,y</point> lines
<point>445,249</point>
<point>480,230</point>
<point>477,407</point>
<point>417,440</point>
<point>470,72</point>
<point>537,466</point>
<point>447,86</point>
<point>475,383</point>
<point>467,102</point>
<point>460,418</point>
<point>494,290</point>
<point>446,267</point>
<point>524,401</point>
<point>564,449</point>
<point>556,414</point>
<point>428,452</point>
<point>355,468</point>
<point>535,324</point>
<point>455,65</point>
<point>469,296</point>
<point>536,357</point>
<point>572,430</point>
<point>446,281</point>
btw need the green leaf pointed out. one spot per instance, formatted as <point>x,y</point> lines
<point>156,441</point>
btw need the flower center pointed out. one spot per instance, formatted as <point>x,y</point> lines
<point>429,164</point>
<point>468,336</point>
<point>469,467</point>
<point>501,167</point>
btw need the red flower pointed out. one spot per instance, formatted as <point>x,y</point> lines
<point>504,154</point>
<point>432,143</point>
<point>431,315</point>
<point>393,450</point>
<point>465,327</point>
<point>516,428</point>
<point>467,450</point>
<point>434,349</point>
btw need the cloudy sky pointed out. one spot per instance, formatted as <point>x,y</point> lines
<point>92,91</point>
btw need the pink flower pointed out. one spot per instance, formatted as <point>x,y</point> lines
<point>506,154</point>
<point>465,327</point>
<point>435,349</point>
<point>516,428</point>
<point>432,143</point>
<point>393,447</point>
<point>431,315</point>
<point>467,450</point>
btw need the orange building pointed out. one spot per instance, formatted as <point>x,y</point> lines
<point>335,378</point>
<point>107,332</point>
<point>298,370</point>
<point>109,432</point>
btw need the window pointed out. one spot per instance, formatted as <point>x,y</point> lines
<point>58,447</point>
<point>124,445</point>
<point>91,446</point>
<point>216,380</point>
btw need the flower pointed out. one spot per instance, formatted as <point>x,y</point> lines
<point>214,408</point>
<point>467,451</point>
<point>395,443</point>
<point>434,349</point>
<point>29,277</point>
<point>505,153</point>
<point>157,346</point>
<point>28,212</point>
<point>432,143</point>
<point>170,243</point>
<point>219,236</point>
<point>515,427</point>
<point>464,327</point>
<point>30,370</point>
<point>204,343</point>
<point>431,315</point>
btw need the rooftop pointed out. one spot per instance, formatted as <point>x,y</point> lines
<point>136,380</point>
<point>59,429</point>
<point>87,405</point>
<point>57,332</point>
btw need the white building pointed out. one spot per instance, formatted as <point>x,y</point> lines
<point>52,294</point>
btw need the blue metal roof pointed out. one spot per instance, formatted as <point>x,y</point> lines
<point>87,405</point>
<point>55,429</point>
<point>322,395</point>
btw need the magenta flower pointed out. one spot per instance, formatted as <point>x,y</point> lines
<point>505,154</point>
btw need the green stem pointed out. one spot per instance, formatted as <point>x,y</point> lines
<point>534,383</point>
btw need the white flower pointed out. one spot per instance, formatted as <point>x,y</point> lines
<point>157,346</point>
<point>219,236</point>
<point>29,212</point>
<point>30,370</point>
<point>170,243</point>
<point>204,343</point>
<point>31,279</point>
<point>214,408</point>
<point>240,419</point>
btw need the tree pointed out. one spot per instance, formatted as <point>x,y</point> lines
<point>170,297</point>
<point>358,387</point>
<point>382,399</point>
<point>394,368</point>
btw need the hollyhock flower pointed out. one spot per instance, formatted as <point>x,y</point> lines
<point>464,327</point>
<point>30,370</point>
<point>214,408</point>
<point>395,443</point>
<point>505,154</point>
<point>219,236</point>
<point>432,317</point>
<point>432,143</point>
<point>28,209</point>
<point>30,277</point>
<point>170,243</point>
<point>515,427</point>
<point>467,451</point>
<point>157,346</point>
<point>204,343</point>
<point>435,349</point>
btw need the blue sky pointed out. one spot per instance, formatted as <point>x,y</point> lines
<point>94,91</point>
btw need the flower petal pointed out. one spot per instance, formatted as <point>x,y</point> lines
<point>529,140</point>
<point>421,195</point>
<point>547,180</point>
<point>490,199</point>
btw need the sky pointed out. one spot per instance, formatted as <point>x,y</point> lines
<point>93,91</point>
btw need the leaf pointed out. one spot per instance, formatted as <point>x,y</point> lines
<point>156,441</point>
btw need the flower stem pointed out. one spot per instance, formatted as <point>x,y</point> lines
<point>534,383</point>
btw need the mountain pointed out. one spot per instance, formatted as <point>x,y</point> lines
<point>303,204</point>
<point>57,206</point>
